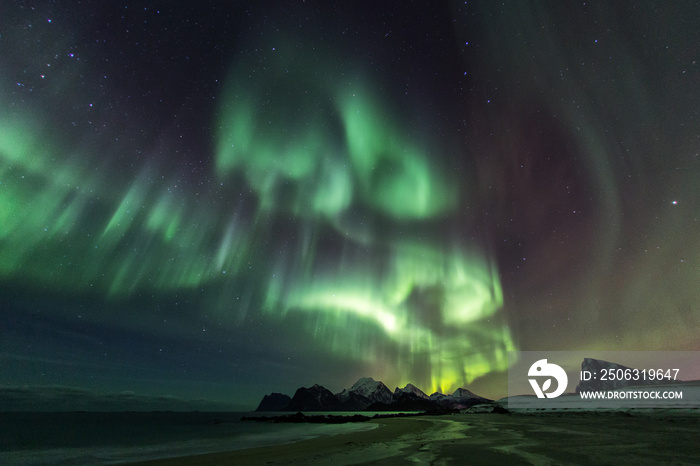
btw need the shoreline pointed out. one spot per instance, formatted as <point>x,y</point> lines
<point>543,438</point>
<point>387,432</point>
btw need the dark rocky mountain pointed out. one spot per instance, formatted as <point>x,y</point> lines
<point>316,398</point>
<point>368,394</point>
<point>462,394</point>
<point>460,399</point>
<point>404,401</point>
<point>274,402</point>
<point>354,402</point>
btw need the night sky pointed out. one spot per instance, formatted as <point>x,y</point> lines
<point>214,200</point>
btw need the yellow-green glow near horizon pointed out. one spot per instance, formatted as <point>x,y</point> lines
<point>438,310</point>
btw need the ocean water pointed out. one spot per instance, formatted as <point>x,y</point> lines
<point>112,438</point>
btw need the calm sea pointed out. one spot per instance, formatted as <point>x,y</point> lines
<point>111,438</point>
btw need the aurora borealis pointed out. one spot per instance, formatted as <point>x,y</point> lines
<point>216,202</point>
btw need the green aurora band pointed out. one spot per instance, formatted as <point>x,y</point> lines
<point>350,272</point>
<point>438,307</point>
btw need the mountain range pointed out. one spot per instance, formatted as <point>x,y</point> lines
<point>368,394</point>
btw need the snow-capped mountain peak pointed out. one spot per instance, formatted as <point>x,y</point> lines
<point>462,393</point>
<point>410,388</point>
<point>369,388</point>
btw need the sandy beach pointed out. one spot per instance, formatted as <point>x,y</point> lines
<point>480,439</point>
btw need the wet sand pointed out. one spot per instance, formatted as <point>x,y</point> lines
<point>481,439</point>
